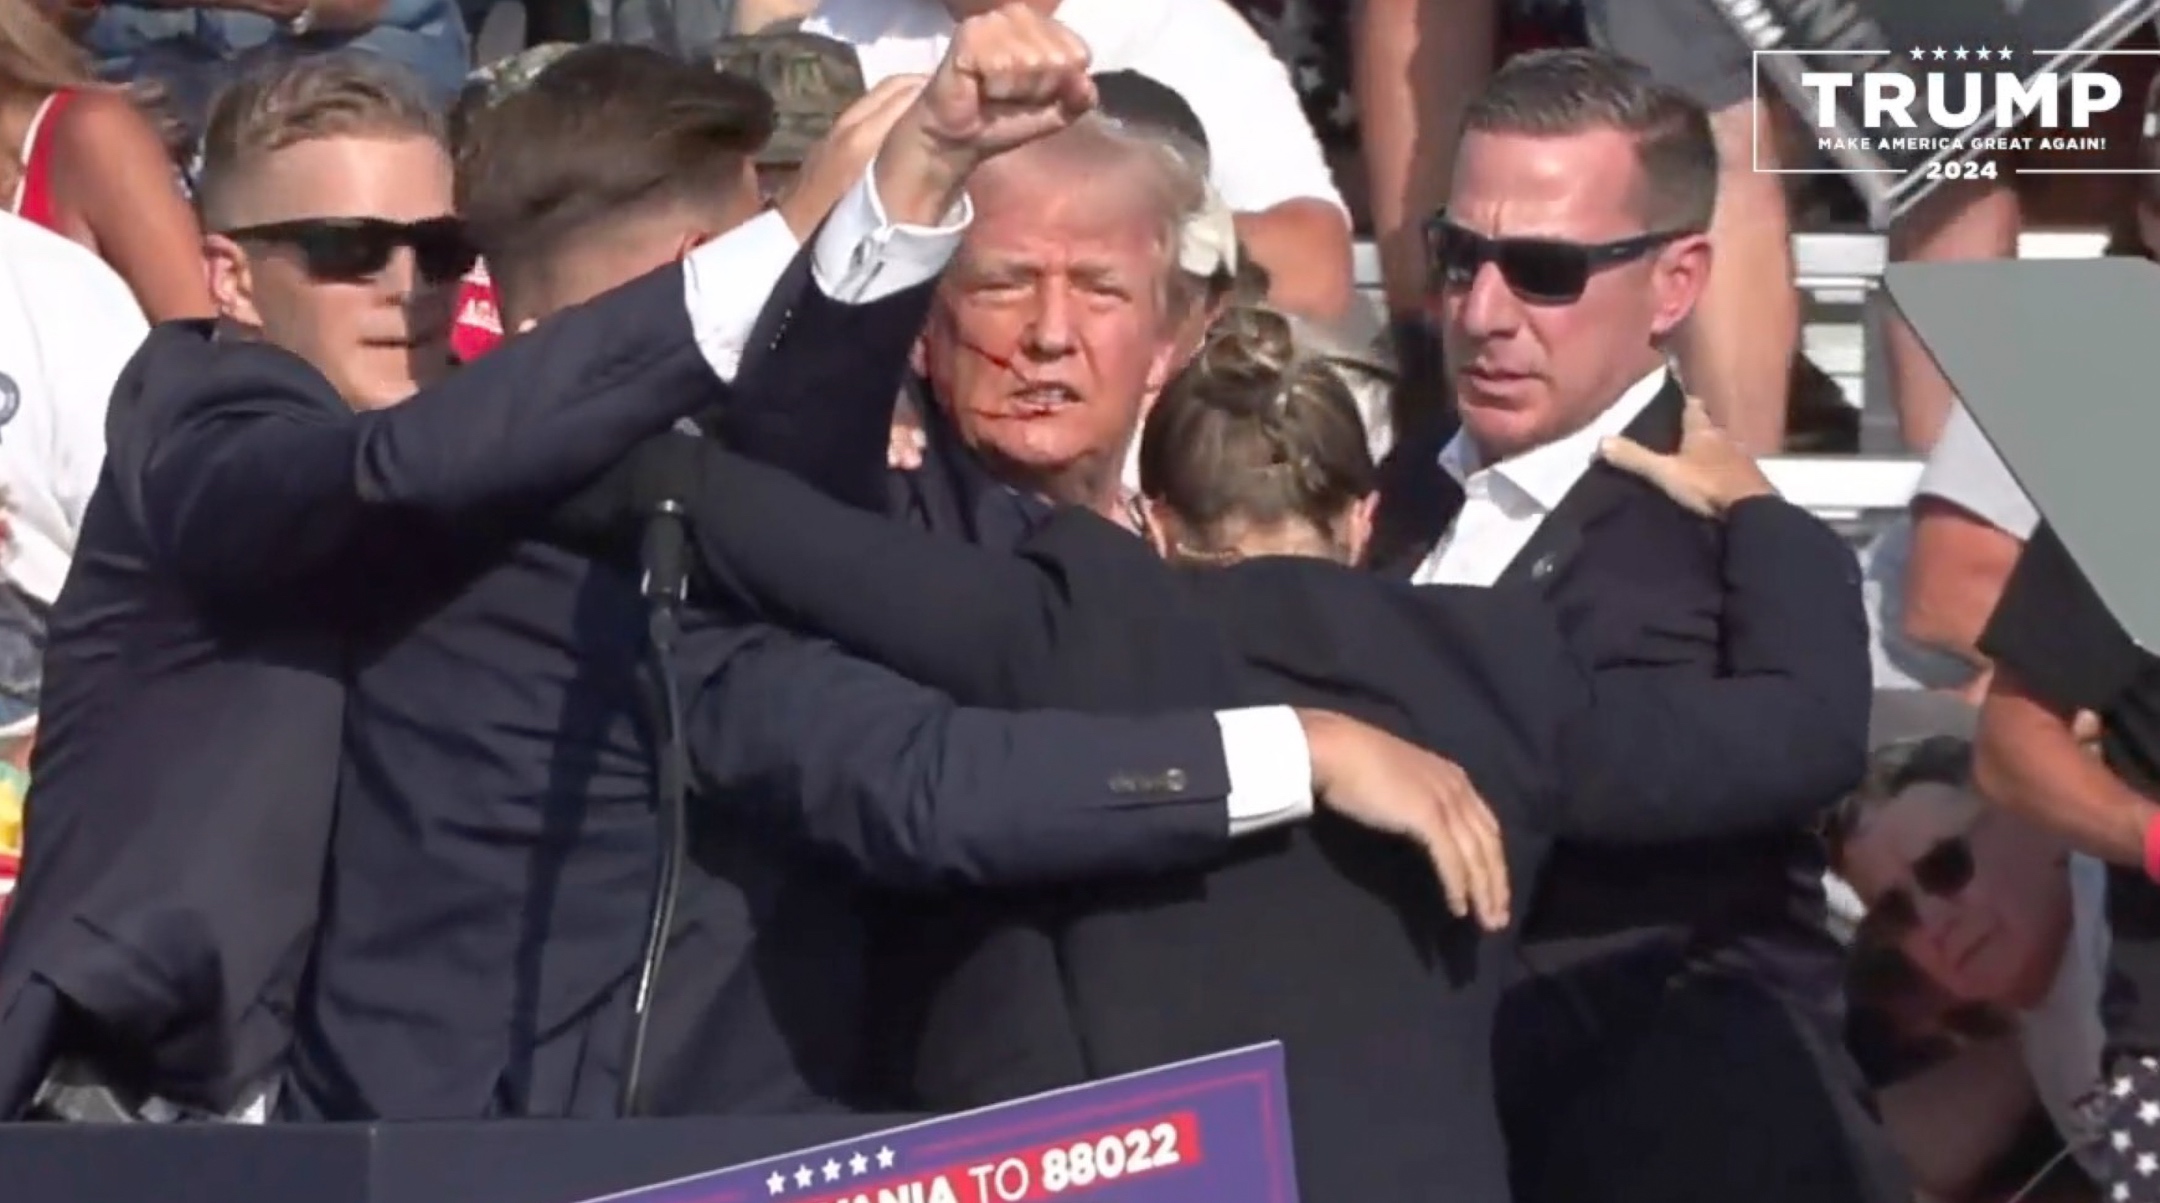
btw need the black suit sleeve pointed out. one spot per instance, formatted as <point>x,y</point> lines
<point>818,383</point>
<point>970,621</point>
<point>2053,632</point>
<point>257,483</point>
<point>1656,757</point>
<point>914,791</point>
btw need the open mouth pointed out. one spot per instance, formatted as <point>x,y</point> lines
<point>1044,397</point>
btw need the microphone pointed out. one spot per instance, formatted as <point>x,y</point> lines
<point>664,554</point>
<point>668,479</point>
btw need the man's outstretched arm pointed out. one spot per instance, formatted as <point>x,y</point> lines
<point>914,791</point>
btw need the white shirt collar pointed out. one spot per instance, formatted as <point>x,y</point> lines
<point>1546,472</point>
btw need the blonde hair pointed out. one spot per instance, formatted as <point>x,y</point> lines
<point>342,94</point>
<point>1255,432</point>
<point>37,57</point>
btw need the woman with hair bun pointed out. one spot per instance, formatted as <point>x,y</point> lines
<point>1324,935</point>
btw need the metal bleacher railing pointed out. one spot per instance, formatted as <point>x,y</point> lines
<point>1840,274</point>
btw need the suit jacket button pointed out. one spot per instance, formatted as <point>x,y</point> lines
<point>1174,780</point>
<point>1543,566</point>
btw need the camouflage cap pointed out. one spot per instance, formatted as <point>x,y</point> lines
<point>505,77</point>
<point>812,80</point>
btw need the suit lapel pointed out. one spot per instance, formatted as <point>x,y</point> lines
<point>1602,487</point>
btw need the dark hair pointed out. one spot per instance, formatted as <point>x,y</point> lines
<point>606,131</point>
<point>465,108</point>
<point>1254,433</point>
<point>1892,770</point>
<point>1556,93</point>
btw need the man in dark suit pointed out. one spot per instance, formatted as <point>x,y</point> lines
<point>1389,1067</point>
<point>528,656</point>
<point>1676,1034</point>
<point>268,490</point>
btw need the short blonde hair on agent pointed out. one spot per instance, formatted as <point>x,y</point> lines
<point>337,95</point>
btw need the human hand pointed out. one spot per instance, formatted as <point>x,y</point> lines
<point>904,450</point>
<point>1710,473</point>
<point>844,153</point>
<point>1381,782</point>
<point>1011,75</point>
<point>2086,728</point>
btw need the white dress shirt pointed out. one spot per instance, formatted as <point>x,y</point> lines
<point>1261,149</point>
<point>1504,503</point>
<point>862,256</point>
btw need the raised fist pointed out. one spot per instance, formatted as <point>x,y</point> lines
<point>1012,75</point>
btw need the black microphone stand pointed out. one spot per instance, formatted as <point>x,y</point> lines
<point>665,588</point>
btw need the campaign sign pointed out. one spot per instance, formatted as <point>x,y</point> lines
<point>1902,95</point>
<point>1215,1129</point>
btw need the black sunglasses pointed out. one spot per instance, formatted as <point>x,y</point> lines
<point>349,249</point>
<point>1542,271</point>
<point>1943,871</point>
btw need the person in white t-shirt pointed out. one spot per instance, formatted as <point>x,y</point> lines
<point>1267,163</point>
<point>68,325</point>
<point>1999,914</point>
<point>1934,576</point>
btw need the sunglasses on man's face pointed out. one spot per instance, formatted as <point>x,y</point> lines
<point>1542,271</point>
<point>1943,871</point>
<point>353,249</point>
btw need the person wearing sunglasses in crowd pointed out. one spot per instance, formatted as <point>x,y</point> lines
<point>1572,248</point>
<point>1997,912</point>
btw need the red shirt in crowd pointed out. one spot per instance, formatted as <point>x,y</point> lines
<point>479,324</point>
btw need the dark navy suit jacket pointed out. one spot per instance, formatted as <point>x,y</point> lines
<point>1640,586</point>
<point>246,523</point>
<point>496,844</point>
<point>1389,1066</point>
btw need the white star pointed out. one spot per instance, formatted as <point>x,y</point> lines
<point>776,1183</point>
<point>858,1164</point>
<point>884,1158</point>
<point>2122,1192</point>
<point>2122,1088</point>
<point>1919,54</point>
<point>832,1170</point>
<point>2149,1112</point>
<point>1959,54</point>
<point>1941,54</point>
<point>2147,1164</point>
<point>803,1175</point>
<point>2121,1141</point>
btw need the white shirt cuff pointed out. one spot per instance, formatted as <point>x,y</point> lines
<point>727,281</point>
<point>1270,767</point>
<point>861,256</point>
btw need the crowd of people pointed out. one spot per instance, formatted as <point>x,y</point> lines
<point>937,450</point>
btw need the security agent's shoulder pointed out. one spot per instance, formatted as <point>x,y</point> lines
<point>1637,521</point>
<point>191,371</point>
